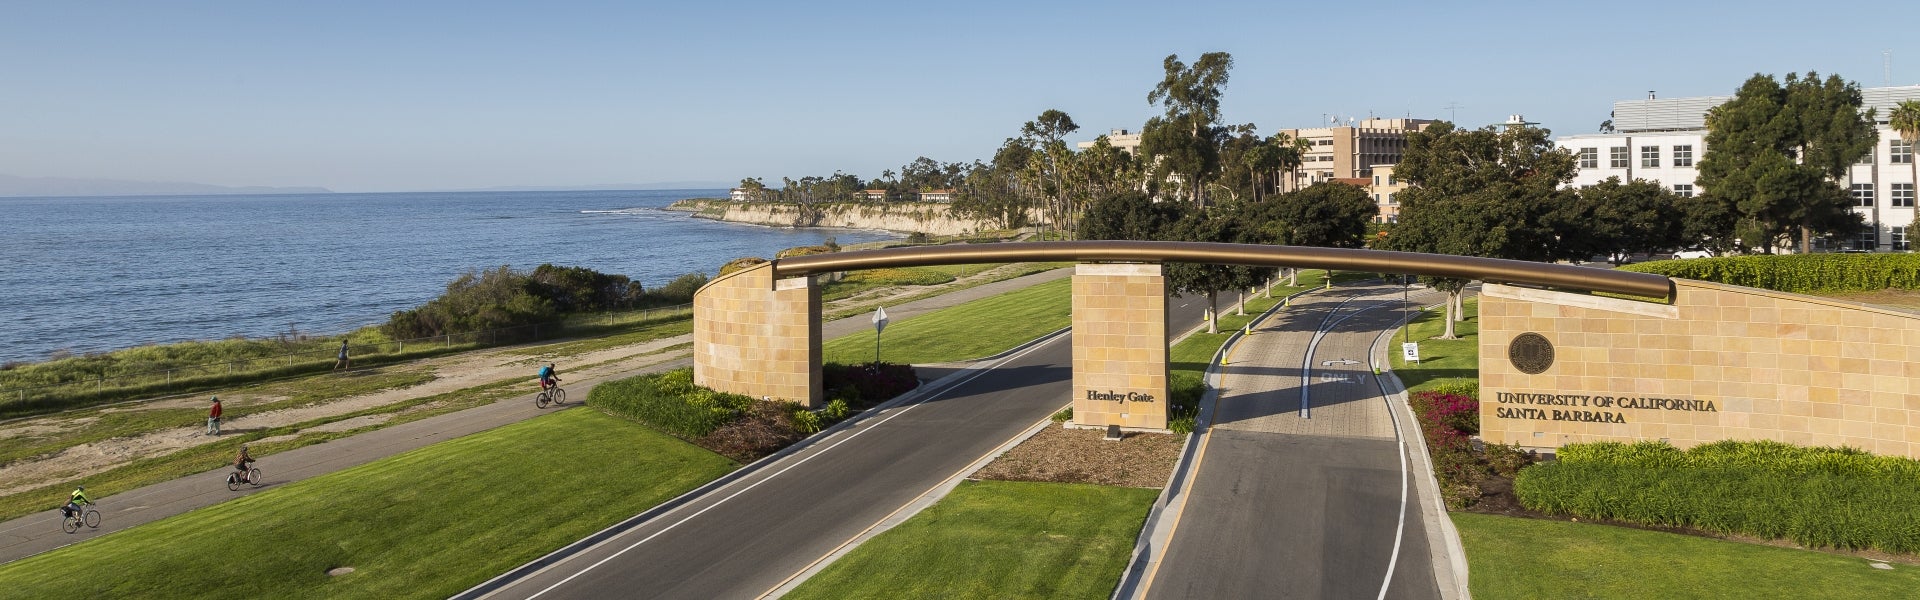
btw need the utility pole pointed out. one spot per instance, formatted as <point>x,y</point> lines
<point>1453,111</point>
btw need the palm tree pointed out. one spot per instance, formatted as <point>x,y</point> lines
<point>1905,120</point>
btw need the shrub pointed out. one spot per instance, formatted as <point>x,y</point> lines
<point>806,421</point>
<point>1816,497</point>
<point>1797,273</point>
<point>670,402</point>
<point>837,411</point>
<point>868,384</point>
<point>1065,414</point>
<point>680,290</point>
<point>918,237</point>
<point>740,264</point>
<point>475,301</point>
<point>804,251</point>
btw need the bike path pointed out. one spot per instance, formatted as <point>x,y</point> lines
<point>40,532</point>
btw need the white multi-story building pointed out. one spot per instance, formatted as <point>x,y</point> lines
<point>1662,140</point>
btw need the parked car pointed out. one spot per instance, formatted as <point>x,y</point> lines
<point>1693,253</point>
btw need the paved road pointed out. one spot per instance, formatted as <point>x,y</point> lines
<point>40,532</point>
<point>750,536</point>
<point>1303,495</point>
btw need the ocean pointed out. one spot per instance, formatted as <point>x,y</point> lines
<point>95,274</point>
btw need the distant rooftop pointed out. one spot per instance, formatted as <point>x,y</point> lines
<point>1689,114</point>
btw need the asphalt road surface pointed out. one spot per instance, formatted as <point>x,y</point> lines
<point>750,536</point>
<point>1304,495</point>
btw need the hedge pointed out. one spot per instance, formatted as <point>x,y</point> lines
<point>1797,273</point>
<point>671,402</point>
<point>1816,497</point>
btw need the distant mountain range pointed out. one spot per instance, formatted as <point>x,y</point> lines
<point>61,186</point>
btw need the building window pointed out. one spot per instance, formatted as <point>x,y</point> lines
<point>1903,195</point>
<point>1391,201</point>
<point>1323,142</point>
<point>1376,198</point>
<point>1649,156</point>
<point>1869,239</point>
<point>1376,180</point>
<point>1393,218</point>
<point>1683,156</point>
<point>1862,194</point>
<point>1685,190</point>
<point>1900,239</point>
<point>1391,180</point>
<point>1589,158</point>
<point>1900,152</point>
<point>1617,156</point>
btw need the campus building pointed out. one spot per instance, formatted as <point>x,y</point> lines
<point>1128,141</point>
<point>1351,151</point>
<point>1663,139</point>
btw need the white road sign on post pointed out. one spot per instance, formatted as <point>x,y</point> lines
<point>879,324</point>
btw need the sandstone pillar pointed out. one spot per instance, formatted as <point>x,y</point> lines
<point>759,337</point>
<point>1120,346</point>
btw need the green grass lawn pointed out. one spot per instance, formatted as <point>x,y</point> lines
<point>1441,361</point>
<point>1530,558</point>
<point>422,524</point>
<point>975,329</point>
<point>997,539</point>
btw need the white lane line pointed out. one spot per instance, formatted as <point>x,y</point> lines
<point>797,463</point>
<point>1306,362</point>
<point>1399,531</point>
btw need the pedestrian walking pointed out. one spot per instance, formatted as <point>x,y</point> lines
<point>343,362</point>
<point>213,418</point>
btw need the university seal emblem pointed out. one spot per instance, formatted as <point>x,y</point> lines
<point>1531,353</point>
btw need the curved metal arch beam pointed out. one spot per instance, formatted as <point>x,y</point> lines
<point>1496,270</point>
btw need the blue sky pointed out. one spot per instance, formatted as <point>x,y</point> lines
<point>386,96</point>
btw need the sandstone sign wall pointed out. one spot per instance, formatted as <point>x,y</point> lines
<point>1721,362</point>
<point>756,336</point>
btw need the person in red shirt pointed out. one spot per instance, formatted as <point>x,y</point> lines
<point>213,418</point>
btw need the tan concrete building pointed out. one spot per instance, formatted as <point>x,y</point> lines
<point>1128,141</point>
<point>1351,152</point>
<point>1385,189</point>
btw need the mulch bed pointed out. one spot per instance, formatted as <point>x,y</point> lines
<point>1061,455</point>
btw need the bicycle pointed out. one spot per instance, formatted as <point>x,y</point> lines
<point>87,515</point>
<point>553,395</point>
<point>234,478</point>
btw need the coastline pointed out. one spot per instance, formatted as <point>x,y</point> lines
<point>931,218</point>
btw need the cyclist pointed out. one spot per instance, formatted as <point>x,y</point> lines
<point>73,503</point>
<point>240,463</point>
<point>548,378</point>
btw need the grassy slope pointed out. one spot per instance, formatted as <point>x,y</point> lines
<point>1441,360</point>
<point>997,539</point>
<point>973,330</point>
<point>1531,558</point>
<point>423,524</point>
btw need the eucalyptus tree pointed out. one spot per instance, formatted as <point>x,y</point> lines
<point>1185,141</point>
<point>1482,192</point>
<point>1047,133</point>
<point>1775,153</point>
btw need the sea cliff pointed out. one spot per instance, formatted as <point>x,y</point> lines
<point>930,218</point>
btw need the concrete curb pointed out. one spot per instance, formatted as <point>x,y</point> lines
<point>1449,555</point>
<point>1158,529</point>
